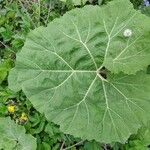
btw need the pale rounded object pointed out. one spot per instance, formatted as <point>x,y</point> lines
<point>127,33</point>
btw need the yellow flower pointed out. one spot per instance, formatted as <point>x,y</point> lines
<point>23,118</point>
<point>11,108</point>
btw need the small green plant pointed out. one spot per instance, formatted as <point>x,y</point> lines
<point>86,71</point>
<point>13,136</point>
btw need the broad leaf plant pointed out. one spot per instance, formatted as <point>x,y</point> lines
<point>86,71</point>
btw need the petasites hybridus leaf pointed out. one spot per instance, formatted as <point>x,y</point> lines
<point>62,70</point>
<point>13,137</point>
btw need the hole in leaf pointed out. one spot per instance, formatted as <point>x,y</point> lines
<point>103,72</point>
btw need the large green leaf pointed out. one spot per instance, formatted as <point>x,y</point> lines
<point>61,71</point>
<point>13,136</point>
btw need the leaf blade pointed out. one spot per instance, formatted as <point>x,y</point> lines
<point>13,136</point>
<point>59,71</point>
